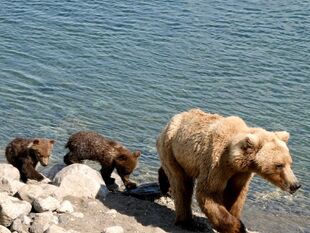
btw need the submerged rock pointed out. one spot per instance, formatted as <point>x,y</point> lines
<point>148,191</point>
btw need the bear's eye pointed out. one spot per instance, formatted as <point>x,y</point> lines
<point>279,166</point>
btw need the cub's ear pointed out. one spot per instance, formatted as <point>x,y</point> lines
<point>136,154</point>
<point>34,142</point>
<point>52,141</point>
<point>121,158</point>
<point>249,143</point>
<point>283,135</point>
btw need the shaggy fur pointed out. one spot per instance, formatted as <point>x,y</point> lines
<point>221,153</point>
<point>110,154</point>
<point>24,154</point>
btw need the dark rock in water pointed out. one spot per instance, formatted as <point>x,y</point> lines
<point>148,191</point>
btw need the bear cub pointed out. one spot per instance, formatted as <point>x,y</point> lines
<point>110,154</point>
<point>24,154</point>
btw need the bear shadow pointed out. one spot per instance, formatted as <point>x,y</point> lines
<point>149,213</point>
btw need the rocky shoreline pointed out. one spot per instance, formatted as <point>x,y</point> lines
<point>74,199</point>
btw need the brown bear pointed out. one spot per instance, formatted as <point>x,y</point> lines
<point>24,154</point>
<point>110,154</point>
<point>221,153</point>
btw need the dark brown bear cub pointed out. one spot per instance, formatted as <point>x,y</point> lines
<point>24,154</point>
<point>110,154</point>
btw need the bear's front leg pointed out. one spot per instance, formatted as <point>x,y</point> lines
<point>128,184</point>
<point>211,203</point>
<point>28,172</point>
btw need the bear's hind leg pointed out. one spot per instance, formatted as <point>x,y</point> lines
<point>182,189</point>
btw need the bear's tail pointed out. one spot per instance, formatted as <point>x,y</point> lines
<point>163,181</point>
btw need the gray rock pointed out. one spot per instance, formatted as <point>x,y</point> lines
<point>30,192</point>
<point>9,172</point>
<point>11,208</point>
<point>114,229</point>
<point>65,207</point>
<point>77,214</point>
<point>50,172</point>
<point>26,220</point>
<point>11,186</point>
<point>42,204</point>
<point>80,180</point>
<point>4,230</point>
<point>42,221</point>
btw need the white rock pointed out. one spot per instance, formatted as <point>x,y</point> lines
<point>65,207</point>
<point>9,172</point>
<point>50,172</point>
<point>42,222</point>
<point>114,229</point>
<point>42,204</point>
<point>30,192</point>
<point>10,186</point>
<point>4,230</point>
<point>11,208</point>
<point>80,180</point>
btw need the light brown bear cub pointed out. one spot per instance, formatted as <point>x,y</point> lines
<point>221,153</point>
<point>110,154</point>
<point>24,154</point>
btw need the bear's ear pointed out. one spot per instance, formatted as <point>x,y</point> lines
<point>249,143</point>
<point>283,135</point>
<point>34,142</point>
<point>52,141</point>
<point>136,153</point>
<point>121,158</point>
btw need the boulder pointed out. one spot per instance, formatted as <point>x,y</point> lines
<point>30,192</point>
<point>4,230</point>
<point>42,204</point>
<point>50,172</point>
<point>79,180</point>
<point>9,172</point>
<point>11,208</point>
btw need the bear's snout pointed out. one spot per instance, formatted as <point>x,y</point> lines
<point>294,187</point>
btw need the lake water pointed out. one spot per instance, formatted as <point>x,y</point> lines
<point>124,68</point>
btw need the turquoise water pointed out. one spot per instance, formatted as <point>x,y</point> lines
<point>123,68</point>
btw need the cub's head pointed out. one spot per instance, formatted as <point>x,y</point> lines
<point>42,148</point>
<point>266,153</point>
<point>126,161</point>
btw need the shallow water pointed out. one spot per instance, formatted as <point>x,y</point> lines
<point>123,68</point>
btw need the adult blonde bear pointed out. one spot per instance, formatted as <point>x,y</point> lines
<point>221,153</point>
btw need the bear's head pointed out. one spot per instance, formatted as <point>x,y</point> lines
<point>126,161</point>
<point>266,153</point>
<point>42,149</point>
